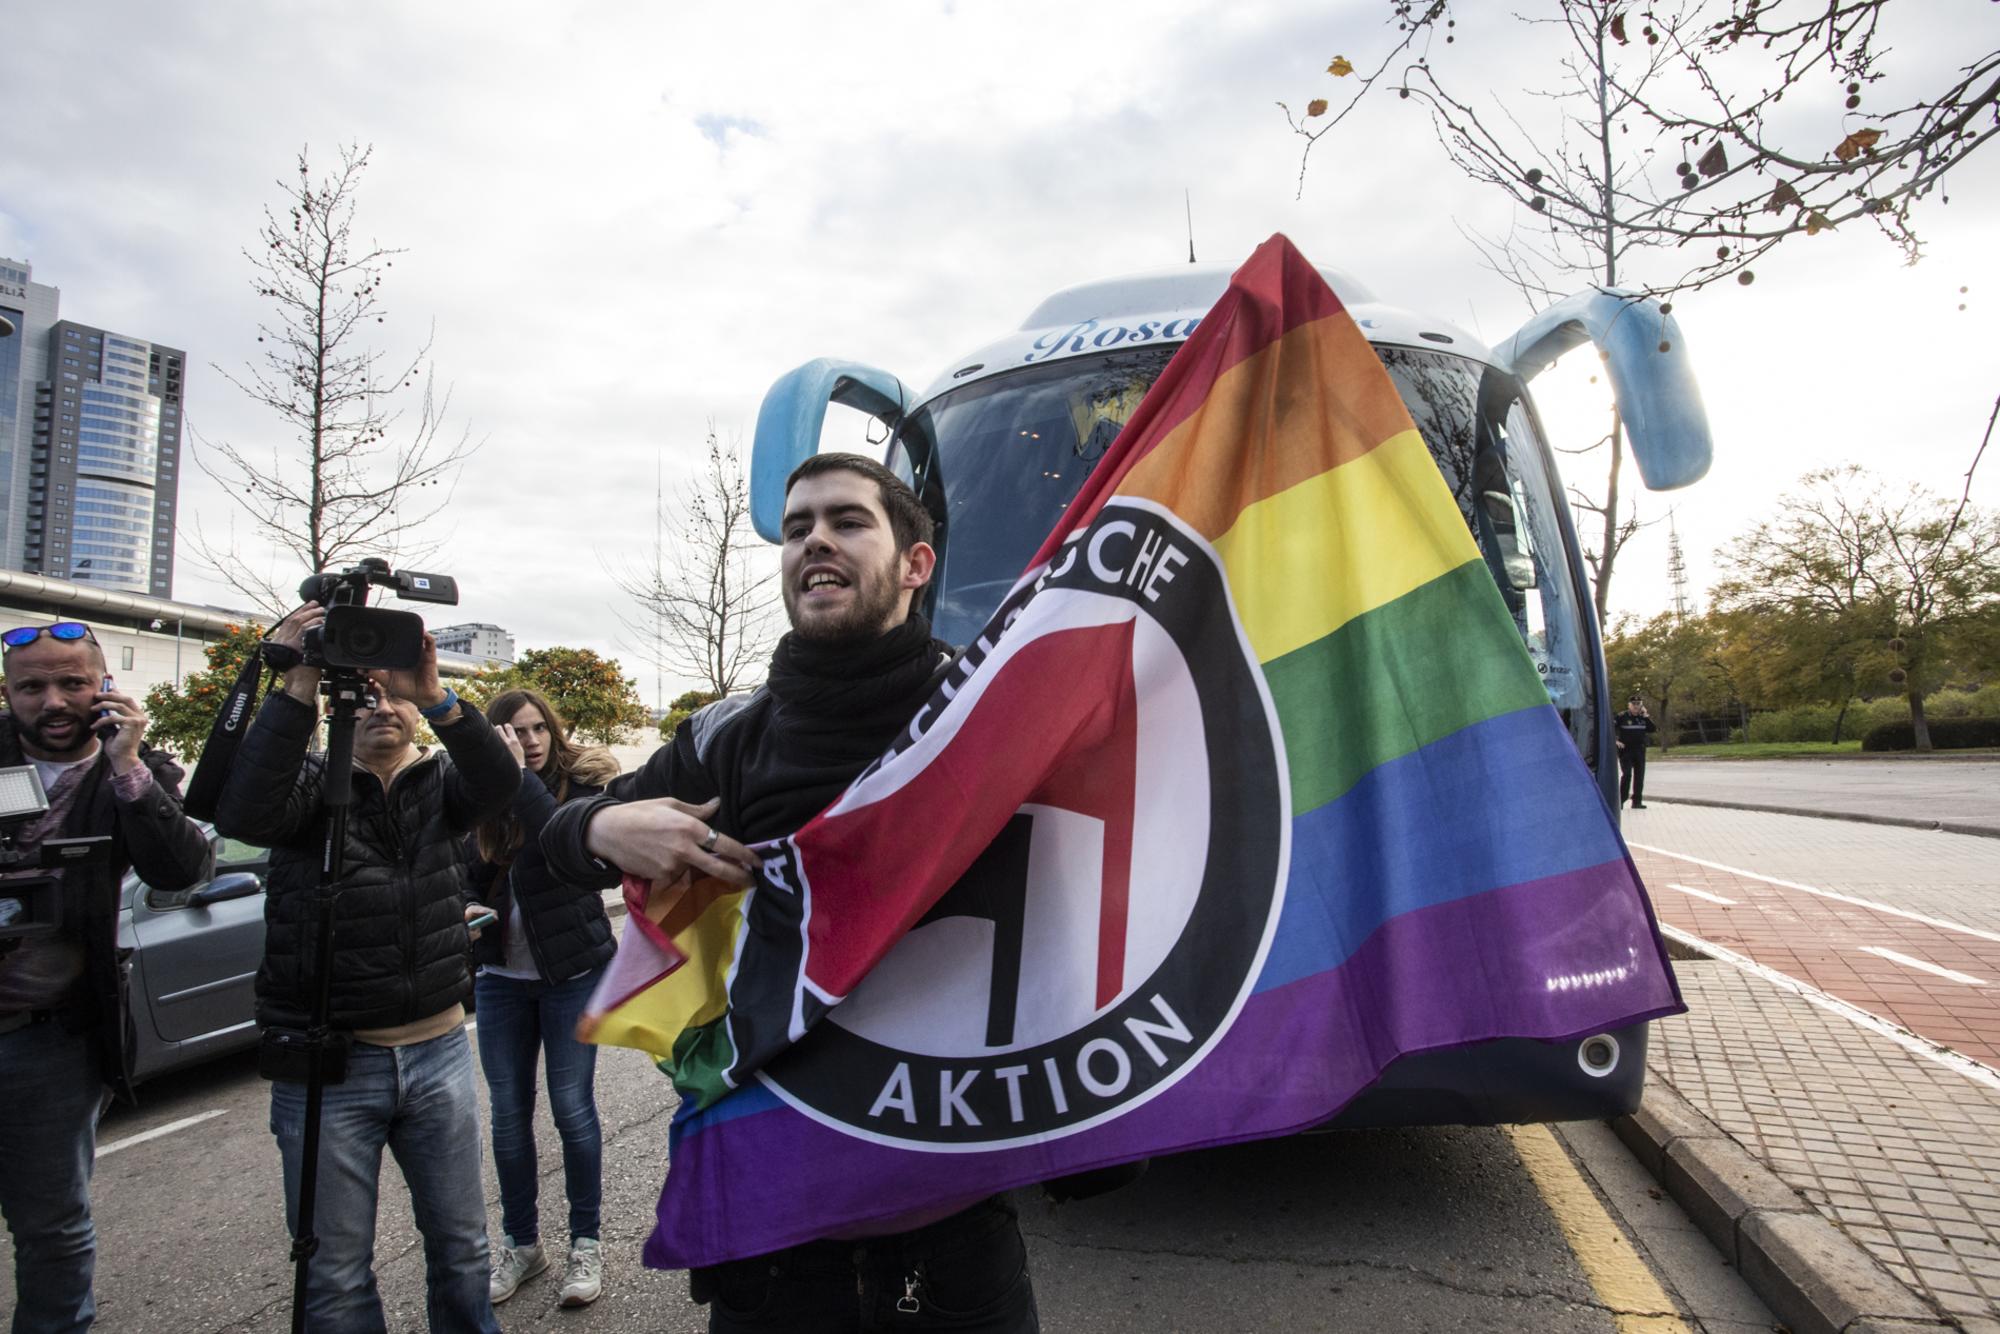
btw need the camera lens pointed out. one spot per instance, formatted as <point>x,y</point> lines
<point>364,641</point>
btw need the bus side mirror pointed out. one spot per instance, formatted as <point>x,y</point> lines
<point>789,423</point>
<point>1651,375</point>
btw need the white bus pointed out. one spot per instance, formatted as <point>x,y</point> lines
<point>1001,442</point>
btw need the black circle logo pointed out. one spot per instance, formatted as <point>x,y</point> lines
<point>1110,933</point>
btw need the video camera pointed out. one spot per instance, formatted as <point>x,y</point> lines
<point>31,904</point>
<point>363,638</point>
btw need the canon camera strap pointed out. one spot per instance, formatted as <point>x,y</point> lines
<point>204,790</point>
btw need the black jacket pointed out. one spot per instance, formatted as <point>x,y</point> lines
<point>399,942</point>
<point>1633,729</point>
<point>776,757</point>
<point>568,932</point>
<point>149,836</point>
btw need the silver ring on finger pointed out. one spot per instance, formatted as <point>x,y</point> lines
<point>708,844</point>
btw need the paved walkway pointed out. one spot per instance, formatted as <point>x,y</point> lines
<point>1845,1029</point>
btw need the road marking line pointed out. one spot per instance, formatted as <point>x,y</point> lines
<point>1948,974</point>
<point>1828,894</point>
<point>1703,894</point>
<point>1956,1062</point>
<point>104,1150</point>
<point>1616,1273</point>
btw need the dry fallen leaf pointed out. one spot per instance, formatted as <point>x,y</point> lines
<point>1854,145</point>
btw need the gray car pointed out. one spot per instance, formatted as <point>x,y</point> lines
<point>194,957</point>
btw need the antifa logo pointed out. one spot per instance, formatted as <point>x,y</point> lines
<point>1110,932</point>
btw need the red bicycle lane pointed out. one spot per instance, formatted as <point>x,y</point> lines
<point>1936,978</point>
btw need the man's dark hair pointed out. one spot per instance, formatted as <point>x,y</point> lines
<point>909,521</point>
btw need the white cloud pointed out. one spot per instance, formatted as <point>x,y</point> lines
<point>626,220</point>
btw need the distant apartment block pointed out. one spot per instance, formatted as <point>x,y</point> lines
<point>90,446</point>
<point>477,640</point>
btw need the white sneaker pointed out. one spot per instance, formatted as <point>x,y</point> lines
<point>512,1266</point>
<point>583,1279</point>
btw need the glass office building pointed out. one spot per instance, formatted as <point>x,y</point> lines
<point>106,461</point>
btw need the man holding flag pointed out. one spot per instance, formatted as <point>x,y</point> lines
<point>843,685</point>
<point>1248,789</point>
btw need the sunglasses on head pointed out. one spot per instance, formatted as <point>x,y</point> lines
<point>67,632</point>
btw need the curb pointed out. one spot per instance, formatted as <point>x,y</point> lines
<point>1899,821</point>
<point>1814,1277</point>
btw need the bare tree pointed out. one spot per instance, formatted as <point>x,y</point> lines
<point>1594,192</point>
<point>1700,82</point>
<point>704,607</point>
<point>358,472</point>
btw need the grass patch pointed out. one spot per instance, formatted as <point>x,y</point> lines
<point>1759,750</point>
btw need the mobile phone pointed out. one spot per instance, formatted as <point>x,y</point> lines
<point>106,688</point>
<point>484,920</point>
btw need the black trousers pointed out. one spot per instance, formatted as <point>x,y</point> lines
<point>1632,776</point>
<point>966,1272</point>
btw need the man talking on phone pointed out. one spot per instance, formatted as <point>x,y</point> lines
<point>62,1015</point>
<point>400,971</point>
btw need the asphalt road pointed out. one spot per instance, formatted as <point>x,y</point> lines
<point>1950,790</point>
<point>1390,1230</point>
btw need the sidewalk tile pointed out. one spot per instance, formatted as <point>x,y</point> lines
<point>1900,1152</point>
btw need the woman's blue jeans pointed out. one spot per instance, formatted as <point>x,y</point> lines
<point>516,1019</point>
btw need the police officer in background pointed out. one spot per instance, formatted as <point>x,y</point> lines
<point>62,1016</point>
<point>1631,728</point>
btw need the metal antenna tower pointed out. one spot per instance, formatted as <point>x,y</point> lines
<point>1677,569</point>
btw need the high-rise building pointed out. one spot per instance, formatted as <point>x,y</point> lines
<point>90,446</point>
<point>106,465</point>
<point>31,308</point>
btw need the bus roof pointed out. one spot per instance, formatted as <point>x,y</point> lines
<point>1162,307</point>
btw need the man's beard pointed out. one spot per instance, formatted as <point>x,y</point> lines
<point>80,736</point>
<point>875,599</point>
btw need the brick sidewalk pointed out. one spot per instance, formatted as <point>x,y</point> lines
<point>1899,1152</point>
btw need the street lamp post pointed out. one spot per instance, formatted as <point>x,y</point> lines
<point>159,624</point>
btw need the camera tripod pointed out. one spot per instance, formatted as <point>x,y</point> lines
<point>345,690</point>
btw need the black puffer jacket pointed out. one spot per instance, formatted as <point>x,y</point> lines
<point>150,836</point>
<point>780,755</point>
<point>568,932</point>
<point>399,942</point>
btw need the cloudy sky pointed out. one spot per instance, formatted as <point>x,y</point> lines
<point>624,220</point>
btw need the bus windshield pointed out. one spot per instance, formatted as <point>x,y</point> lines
<point>1008,455</point>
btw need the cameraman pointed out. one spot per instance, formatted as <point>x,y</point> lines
<point>62,1016</point>
<point>400,971</point>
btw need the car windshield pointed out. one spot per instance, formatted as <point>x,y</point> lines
<point>1004,458</point>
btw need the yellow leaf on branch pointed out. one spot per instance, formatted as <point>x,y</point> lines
<point>1316,107</point>
<point>1341,67</point>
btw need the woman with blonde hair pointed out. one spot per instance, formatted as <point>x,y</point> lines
<point>539,964</point>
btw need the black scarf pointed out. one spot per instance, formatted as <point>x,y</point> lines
<point>856,686</point>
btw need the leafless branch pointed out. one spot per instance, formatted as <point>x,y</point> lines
<point>358,470</point>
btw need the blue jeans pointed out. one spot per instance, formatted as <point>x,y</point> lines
<point>421,1102</point>
<point>517,1017</point>
<point>50,1093</point>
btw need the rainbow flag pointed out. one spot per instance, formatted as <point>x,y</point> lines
<point>1248,788</point>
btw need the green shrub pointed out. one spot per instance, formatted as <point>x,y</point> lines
<point>1814,722</point>
<point>1946,734</point>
